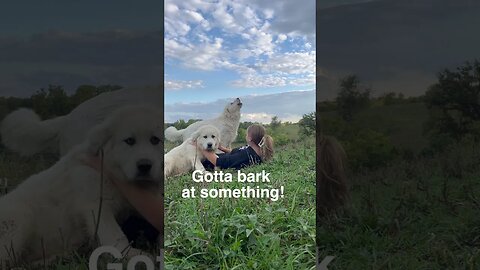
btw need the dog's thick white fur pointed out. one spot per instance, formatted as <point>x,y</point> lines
<point>188,156</point>
<point>55,211</point>
<point>227,123</point>
<point>23,132</point>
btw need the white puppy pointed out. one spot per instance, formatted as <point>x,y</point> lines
<point>55,211</point>
<point>188,156</point>
<point>227,123</point>
<point>22,131</point>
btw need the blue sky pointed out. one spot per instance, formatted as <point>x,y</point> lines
<point>217,50</point>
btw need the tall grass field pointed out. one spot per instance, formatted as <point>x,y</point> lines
<point>247,233</point>
<point>410,208</point>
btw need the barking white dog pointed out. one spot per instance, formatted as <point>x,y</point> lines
<point>227,123</point>
<point>188,156</point>
<point>55,211</point>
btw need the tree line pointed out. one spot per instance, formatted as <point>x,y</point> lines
<point>54,100</point>
<point>453,116</point>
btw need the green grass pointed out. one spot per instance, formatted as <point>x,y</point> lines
<point>418,213</point>
<point>413,213</point>
<point>246,233</point>
<point>225,233</point>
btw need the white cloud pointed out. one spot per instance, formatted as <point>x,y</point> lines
<point>291,17</point>
<point>194,16</point>
<point>170,8</point>
<point>202,56</point>
<point>247,39</point>
<point>290,63</point>
<point>257,117</point>
<point>303,80</point>
<point>281,38</point>
<point>179,85</point>
<point>225,20</point>
<point>259,81</point>
<point>296,68</point>
<point>260,41</point>
<point>270,81</point>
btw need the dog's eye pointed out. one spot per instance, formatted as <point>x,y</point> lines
<point>213,136</point>
<point>205,136</point>
<point>129,141</point>
<point>154,140</point>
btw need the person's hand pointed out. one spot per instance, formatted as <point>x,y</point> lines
<point>149,205</point>
<point>224,149</point>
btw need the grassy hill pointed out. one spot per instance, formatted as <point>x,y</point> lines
<point>419,212</point>
<point>229,233</point>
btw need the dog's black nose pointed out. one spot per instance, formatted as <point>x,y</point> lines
<point>144,166</point>
<point>209,145</point>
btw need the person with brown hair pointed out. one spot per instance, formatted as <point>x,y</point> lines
<point>332,191</point>
<point>259,149</point>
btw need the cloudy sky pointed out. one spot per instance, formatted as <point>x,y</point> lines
<point>72,43</point>
<point>262,51</point>
<point>394,45</point>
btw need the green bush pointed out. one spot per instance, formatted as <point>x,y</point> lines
<point>307,124</point>
<point>280,139</point>
<point>241,135</point>
<point>369,149</point>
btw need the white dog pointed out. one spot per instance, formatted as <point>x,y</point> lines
<point>188,156</point>
<point>55,210</point>
<point>227,123</point>
<point>22,131</point>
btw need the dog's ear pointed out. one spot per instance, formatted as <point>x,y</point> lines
<point>195,135</point>
<point>97,138</point>
<point>217,139</point>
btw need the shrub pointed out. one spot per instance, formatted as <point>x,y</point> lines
<point>369,149</point>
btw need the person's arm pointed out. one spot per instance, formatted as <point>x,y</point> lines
<point>211,156</point>
<point>149,205</point>
<point>235,159</point>
<point>224,149</point>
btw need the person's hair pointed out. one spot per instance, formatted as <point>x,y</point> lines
<point>332,191</point>
<point>259,136</point>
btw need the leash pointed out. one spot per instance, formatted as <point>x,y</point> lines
<point>100,204</point>
<point>195,160</point>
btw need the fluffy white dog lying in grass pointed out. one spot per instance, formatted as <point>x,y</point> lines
<point>188,156</point>
<point>56,211</point>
